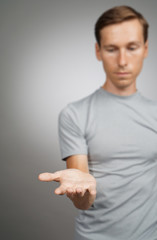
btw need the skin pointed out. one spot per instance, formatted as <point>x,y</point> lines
<point>75,182</point>
<point>122,51</point>
<point>79,186</point>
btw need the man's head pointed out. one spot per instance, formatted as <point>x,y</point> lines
<point>119,14</point>
<point>122,46</point>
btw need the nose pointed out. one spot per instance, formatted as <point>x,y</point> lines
<point>122,58</point>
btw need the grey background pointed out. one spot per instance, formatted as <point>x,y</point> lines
<point>47,60</point>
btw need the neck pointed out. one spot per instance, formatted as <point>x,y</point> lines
<point>122,91</point>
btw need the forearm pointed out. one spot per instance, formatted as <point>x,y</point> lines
<point>84,199</point>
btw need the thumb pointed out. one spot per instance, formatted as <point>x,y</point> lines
<point>48,177</point>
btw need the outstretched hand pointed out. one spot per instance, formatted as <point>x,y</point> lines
<point>79,186</point>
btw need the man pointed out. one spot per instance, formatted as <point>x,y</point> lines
<point>109,140</point>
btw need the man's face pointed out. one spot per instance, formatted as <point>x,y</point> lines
<point>122,52</point>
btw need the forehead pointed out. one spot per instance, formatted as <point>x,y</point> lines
<point>128,31</point>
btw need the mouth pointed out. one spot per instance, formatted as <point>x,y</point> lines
<point>122,73</point>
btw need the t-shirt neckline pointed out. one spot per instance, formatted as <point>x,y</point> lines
<point>135,94</point>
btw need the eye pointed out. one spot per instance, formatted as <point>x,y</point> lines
<point>132,48</point>
<point>110,50</point>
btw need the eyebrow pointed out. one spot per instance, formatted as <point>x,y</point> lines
<point>134,43</point>
<point>129,43</point>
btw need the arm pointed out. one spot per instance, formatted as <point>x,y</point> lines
<point>79,162</point>
<point>85,198</point>
<point>75,182</point>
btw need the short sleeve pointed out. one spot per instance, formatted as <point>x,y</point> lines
<point>71,137</point>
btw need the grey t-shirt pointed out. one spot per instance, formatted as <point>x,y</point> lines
<point>119,135</point>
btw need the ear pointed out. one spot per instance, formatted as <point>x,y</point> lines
<point>97,51</point>
<point>146,49</point>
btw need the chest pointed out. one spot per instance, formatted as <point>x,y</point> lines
<point>119,134</point>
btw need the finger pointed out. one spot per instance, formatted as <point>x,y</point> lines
<point>80,192</point>
<point>48,177</point>
<point>60,190</point>
<point>69,193</point>
<point>92,190</point>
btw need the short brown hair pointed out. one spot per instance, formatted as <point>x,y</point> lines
<point>119,14</point>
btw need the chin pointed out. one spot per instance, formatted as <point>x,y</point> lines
<point>123,85</point>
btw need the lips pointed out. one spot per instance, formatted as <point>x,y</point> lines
<point>122,73</point>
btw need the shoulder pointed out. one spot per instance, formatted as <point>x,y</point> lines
<point>76,113</point>
<point>149,102</point>
<point>80,106</point>
<point>149,106</point>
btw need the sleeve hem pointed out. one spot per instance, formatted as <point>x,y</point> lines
<point>73,153</point>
